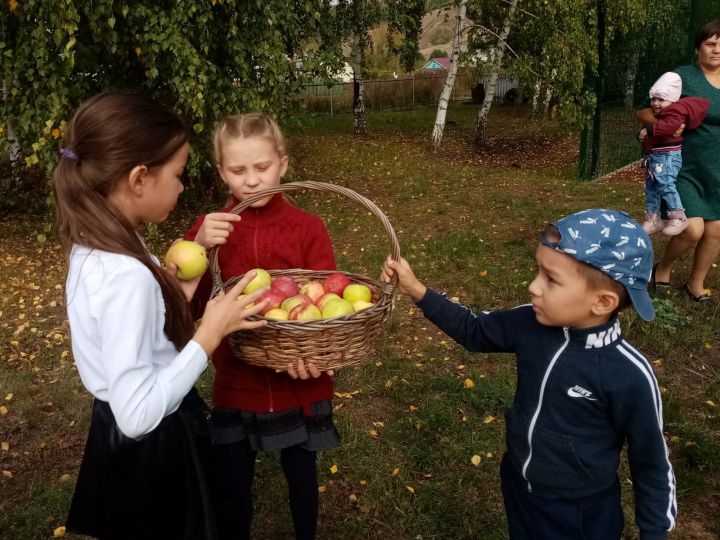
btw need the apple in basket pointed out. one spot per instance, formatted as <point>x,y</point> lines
<point>336,283</point>
<point>285,285</point>
<point>337,308</point>
<point>189,258</point>
<point>325,298</point>
<point>275,298</point>
<point>305,312</point>
<point>359,305</point>
<point>357,291</point>
<point>313,289</point>
<point>277,314</point>
<point>261,279</point>
<point>299,299</point>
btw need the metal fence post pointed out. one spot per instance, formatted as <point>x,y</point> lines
<point>413,90</point>
<point>332,91</point>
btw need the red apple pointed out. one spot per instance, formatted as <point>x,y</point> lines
<point>275,298</point>
<point>297,300</point>
<point>325,298</point>
<point>285,285</point>
<point>305,312</point>
<point>313,289</point>
<point>336,283</point>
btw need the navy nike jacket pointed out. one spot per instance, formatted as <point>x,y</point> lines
<point>580,395</point>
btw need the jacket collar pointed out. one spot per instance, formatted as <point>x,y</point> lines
<point>273,211</point>
<point>597,336</point>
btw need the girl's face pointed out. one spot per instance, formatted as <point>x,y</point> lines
<point>164,185</point>
<point>251,164</point>
<point>709,53</point>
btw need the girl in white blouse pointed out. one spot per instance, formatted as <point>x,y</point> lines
<point>147,471</point>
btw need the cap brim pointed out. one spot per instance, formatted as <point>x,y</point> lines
<point>643,303</point>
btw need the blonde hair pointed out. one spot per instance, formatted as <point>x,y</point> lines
<point>254,124</point>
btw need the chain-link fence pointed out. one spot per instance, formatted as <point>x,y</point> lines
<point>401,93</point>
<point>626,71</point>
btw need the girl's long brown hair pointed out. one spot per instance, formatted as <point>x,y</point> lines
<point>109,135</point>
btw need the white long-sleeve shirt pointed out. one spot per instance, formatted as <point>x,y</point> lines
<point>117,315</point>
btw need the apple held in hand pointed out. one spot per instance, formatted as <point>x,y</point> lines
<point>297,300</point>
<point>336,283</point>
<point>190,258</point>
<point>337,308</point>
<point>261,279</point>
<point>325,298</point>
<point>305,312</point>
<point>277,314</point>
<point>285,285</point>
<point>313,289</point>
<point>356,291</point>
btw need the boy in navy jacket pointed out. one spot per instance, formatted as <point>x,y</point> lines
<point>582,390</point>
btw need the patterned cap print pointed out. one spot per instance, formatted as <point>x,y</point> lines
<point>615,244</point>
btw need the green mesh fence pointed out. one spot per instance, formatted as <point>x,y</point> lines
<point>626,71</point>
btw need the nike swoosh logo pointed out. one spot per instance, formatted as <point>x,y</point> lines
<point>575,393</point>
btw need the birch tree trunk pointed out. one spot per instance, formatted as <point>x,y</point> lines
<point>359,121</point>
<point>496,58</point>
<point>548,93</point>
<point>439,127</point>
<point>630,75</point>
<point>14,148</point>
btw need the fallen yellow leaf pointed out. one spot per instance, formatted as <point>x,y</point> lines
<point>7,474</point>
<point>322,489</point>
<point>334,469</point>
<point>363,482</point>
<point>469,383</point>
<point>59,532</point>
<point>710,402</point>
<point>488,419</point>
<point>373,434</point>
<point>9,397</point>
<point>3,409</point>
<point>5,446</point>
<point>410,489</point>
<point>396,471</point>
<point>353,497</point>
<point>475,460</point>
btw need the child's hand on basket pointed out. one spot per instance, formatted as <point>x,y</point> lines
<point>304,371</point>
<point>228,313</point>
<point>407,282</point>
<point>215,229</point>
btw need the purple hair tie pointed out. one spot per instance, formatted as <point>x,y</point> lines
<point>69,154</point>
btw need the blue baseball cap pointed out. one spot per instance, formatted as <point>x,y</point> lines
<point>615,244</point>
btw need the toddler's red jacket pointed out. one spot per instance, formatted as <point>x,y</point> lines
<point>690,111</point>
<point>276,236</point>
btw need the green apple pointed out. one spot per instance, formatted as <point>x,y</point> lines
<point>356,291</point>
<point>325,298</point>
<point>261,279</point>
<point>277,314</point>
<point>305,312</point>
<point>189,257</point>
<point>337,308</point>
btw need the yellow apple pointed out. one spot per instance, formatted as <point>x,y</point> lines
<point>299,299</point>
<point>313,289</point>
<point>277,314</point>
<point>189,257</point>
<point>356,291</point>
<point>359,305</point>
<point>261,279</point>
<point>337,308</point>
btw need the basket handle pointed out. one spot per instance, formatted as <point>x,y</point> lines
<point>313,186</point>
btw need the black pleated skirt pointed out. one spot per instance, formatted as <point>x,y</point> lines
<point>163,486</point>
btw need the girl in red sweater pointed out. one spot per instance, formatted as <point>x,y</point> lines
<point>257,408</point>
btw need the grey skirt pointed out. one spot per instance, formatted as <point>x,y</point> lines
<point>277,430</point>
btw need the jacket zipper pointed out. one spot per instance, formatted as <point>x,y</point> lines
<point>257,264</point>
<point>539,405</point>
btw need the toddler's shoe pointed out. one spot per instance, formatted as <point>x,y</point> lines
<point>652,223</point>
<point>677,223</point>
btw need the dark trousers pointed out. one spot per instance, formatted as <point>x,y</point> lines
<point>596,517</point>
<point>237,466</point>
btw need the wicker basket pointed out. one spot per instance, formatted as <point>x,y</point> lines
<point>327,343</point>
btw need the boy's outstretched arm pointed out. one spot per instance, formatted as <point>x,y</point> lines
<point>407,282</point>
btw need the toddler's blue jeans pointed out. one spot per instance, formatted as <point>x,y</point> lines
<point>662,170</point>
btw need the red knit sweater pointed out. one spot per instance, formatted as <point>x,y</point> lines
<point>276,236</point>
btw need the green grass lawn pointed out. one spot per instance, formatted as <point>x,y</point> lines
<point>468,222</point>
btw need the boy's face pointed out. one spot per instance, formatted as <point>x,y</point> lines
<point>658,104</point>
<point>560,292</point>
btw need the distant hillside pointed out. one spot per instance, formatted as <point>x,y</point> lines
<point>438,29</point>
